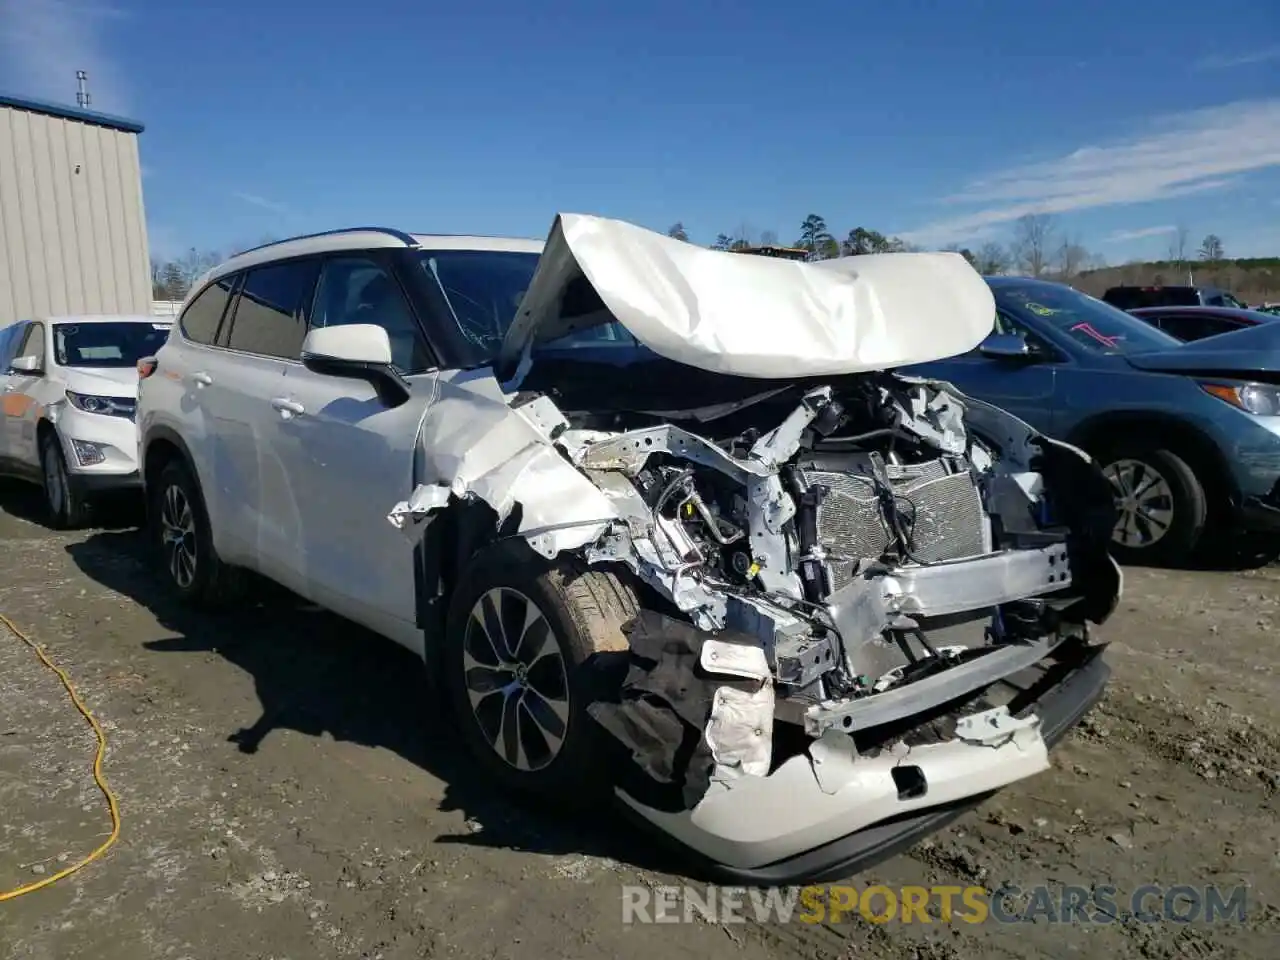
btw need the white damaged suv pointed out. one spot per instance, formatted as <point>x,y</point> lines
<point>657,518</point>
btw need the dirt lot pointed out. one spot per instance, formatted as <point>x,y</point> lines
<point>287,793</point>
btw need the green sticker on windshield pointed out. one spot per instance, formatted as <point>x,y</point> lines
<point>1040,309</point>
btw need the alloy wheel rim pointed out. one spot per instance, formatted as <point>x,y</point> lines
<point>1144,503</point>
<point>178,536</point>
<point>516,679</point>
<point>54,482</point>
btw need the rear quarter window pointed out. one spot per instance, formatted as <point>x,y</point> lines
<point>202,318</point>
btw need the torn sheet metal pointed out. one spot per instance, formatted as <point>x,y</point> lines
<point>745,315</point>
<point>473,444</point>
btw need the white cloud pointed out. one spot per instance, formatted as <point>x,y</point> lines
<point>1225,61</point>
<point>44,42</point>
<point>258,201</point>
<point>1120,236</point>
<point>1182,154</point>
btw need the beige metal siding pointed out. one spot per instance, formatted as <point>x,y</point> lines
<point>73,236</point>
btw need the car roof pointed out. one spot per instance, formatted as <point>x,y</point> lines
<point>1231,313</point>
<point>368,238</point>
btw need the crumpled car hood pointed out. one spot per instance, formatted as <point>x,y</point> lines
<point>744,315</point>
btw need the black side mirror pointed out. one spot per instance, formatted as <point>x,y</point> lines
<point>1006,346</point>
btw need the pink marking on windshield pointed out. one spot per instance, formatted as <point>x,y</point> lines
<point>1088,329</point>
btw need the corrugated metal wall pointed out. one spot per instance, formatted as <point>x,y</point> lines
<point>73,236</point>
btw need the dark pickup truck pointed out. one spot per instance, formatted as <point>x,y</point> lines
<point>1133,297</point>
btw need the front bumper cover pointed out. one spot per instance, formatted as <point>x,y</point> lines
<point>1059,697</point>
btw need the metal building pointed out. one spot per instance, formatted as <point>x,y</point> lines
<point>73,236</point>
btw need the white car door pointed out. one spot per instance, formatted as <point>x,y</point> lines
<point>350,457</point>
<point>260,342</point>
<point>21,401</point>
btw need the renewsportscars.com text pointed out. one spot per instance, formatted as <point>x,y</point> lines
<point>1009,903</point>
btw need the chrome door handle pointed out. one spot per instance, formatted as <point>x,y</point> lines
<point>287,407</point>
<point>202,379</point>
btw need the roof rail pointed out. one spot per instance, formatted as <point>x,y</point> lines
<point>400,235</point>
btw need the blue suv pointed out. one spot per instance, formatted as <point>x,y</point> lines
<point>1188,434</point>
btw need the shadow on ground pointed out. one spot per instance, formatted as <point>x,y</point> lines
<point>316,673</point>
<point>109,511</point>
<point>1236,554</point>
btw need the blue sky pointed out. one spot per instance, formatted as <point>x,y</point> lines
<point>938,121</point>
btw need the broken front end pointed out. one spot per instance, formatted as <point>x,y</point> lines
<point>861,620</point>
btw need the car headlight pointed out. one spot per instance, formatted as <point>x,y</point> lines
<point>107,406</point>
<point>1256,398</point>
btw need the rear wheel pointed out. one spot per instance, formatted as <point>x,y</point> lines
<point>529,645</point>
<point>1161,507</point>
<point>184,541</point>
<point>65,504</point>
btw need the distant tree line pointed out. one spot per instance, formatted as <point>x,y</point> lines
<point>171,279</point>
<point>1040,247</point>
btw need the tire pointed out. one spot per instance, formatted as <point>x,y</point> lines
<point>184,542</point>
<point>65,503</point>
<point>1177,497</point>
<point>584,612</point>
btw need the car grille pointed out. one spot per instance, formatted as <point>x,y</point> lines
<point>949,520</point>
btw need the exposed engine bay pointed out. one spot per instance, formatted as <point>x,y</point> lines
<point>882,554</point>
<point>867,596</point>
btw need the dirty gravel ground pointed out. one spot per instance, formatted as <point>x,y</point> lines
<point>287,793</point>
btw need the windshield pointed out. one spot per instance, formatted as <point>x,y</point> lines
<point>483,289</point>
<point>107,343</point>
<point>1087,321</point>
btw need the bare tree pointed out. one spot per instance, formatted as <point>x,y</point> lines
<point>992,259</point>
<point>768,238</point>
<point>1178,245</point>
<point>1032,240</point>
<point>1071,258</point>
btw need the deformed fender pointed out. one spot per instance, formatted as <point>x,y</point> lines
<point>474,444</point>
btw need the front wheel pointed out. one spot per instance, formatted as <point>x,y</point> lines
<point>64,503</point>
<point>528,646</point>
<point>1161,507</point>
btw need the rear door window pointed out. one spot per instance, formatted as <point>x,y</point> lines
<point>269,318</point>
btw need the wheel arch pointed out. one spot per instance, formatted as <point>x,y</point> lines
<point>1170,431</point>
<point>462,535</point>
<point>160,447</point>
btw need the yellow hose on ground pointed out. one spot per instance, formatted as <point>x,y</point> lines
<point>97,771</point>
